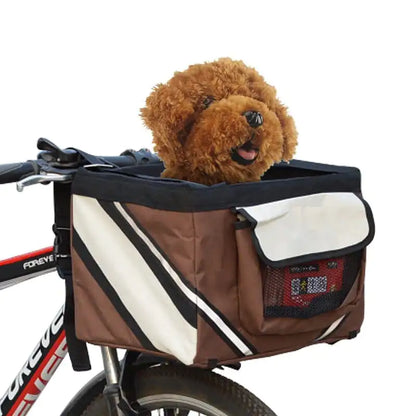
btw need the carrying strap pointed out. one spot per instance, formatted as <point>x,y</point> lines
<point>77,349</point>
<point>94,160</point>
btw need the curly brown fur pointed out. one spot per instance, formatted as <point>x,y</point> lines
<point>198,122</point>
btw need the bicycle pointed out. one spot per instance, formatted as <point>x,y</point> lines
<point>141,384</point>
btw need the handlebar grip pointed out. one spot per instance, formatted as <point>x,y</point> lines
<point>133,157</point>
<point>13,172</point>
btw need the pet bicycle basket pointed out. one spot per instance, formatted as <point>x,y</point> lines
<point>217,274</point>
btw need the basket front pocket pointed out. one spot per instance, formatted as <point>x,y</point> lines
<point>300,268</point>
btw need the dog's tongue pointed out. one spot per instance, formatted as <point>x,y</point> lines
<point>247,154</point>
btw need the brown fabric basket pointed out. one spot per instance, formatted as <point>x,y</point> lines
<point>211,275</point>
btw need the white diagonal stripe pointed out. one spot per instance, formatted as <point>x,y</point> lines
<point>331,328</point>
<point>133,280</point>
<point>201,304</point>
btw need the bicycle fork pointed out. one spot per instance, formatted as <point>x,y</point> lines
<point>112,375</point>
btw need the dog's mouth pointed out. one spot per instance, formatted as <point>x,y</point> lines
<point>246,154</point>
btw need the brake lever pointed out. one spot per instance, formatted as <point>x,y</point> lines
<point>55,156</point>
<point>42,178</point>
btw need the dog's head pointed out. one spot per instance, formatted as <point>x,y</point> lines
<point>219,122</point>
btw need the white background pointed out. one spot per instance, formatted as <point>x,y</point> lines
<point>77,73</point>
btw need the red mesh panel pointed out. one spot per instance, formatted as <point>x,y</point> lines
<point>297,286</point>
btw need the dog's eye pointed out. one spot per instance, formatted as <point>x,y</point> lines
<point>208,101</point>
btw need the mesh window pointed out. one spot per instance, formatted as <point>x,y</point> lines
<point>306,290</point>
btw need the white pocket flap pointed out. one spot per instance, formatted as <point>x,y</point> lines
<point>310,227</point>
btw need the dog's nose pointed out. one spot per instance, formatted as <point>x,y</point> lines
<point>254,118</point>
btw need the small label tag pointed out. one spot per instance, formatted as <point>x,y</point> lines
<point>332,264</point>
<point>309,285</point>
<point>304,268</point>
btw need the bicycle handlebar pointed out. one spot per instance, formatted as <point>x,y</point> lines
<point>14,172</point>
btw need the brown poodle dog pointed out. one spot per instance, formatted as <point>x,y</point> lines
<point>219,122</point>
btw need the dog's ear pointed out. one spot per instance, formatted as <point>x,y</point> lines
<point>290,135</point>
<point>168,113</point>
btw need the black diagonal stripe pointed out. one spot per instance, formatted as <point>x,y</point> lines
<point>221,334</point>
<point>185,281</point>
<point>183,304</point>
<point>112,295</point>
<point>213,325</point>
<point>227,323</point>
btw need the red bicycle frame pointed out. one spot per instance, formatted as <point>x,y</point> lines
<point>51,348</point>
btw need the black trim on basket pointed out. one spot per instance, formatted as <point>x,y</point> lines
<point>241,225</point>
<point>112,295</point>
<point>306,258</point>
<point>321,304</point>
<point>198,294</point>
<point>282,182</point>
<point>183,304</point>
